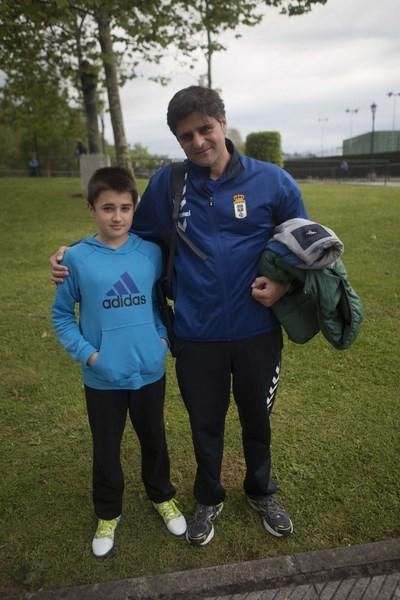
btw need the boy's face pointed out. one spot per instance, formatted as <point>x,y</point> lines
<point>202,138</point>
<point>113,213</point>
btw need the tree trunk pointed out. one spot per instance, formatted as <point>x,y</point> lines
<point>110,69</point>
<point>209,57</point>
<point>89,85</point>
<point>209,45</point>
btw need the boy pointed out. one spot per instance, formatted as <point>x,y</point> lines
<point>121,344</point>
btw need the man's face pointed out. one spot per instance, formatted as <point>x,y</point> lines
<point>202,139</point>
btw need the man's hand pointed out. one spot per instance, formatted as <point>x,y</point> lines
<point>267,292</point>
<point>58,272</point>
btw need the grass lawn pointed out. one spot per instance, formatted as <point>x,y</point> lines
<point>336,424</point>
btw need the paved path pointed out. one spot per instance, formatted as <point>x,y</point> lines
<point>363,572</point>
<point>379,587</point>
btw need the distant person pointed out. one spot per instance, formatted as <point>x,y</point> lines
<point>227,337</point>
<point>80,149</point>
<point>121,345</point>
<point>343,169</point>
<point>33,165</point>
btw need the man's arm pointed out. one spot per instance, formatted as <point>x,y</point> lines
<point>153,217</point>
<point>289,205</point>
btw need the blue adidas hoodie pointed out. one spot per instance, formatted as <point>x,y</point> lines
<point>117,313</point>
<point>231,222</point>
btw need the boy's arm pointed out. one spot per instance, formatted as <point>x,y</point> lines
<point>157,260</point>
<point>65,323</point>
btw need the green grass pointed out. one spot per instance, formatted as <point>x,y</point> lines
<point>336,442</point>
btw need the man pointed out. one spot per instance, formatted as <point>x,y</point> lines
<point>226,333</point>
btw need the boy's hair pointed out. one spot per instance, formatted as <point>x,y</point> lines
<point>194,98</point>
<point>116,179</point>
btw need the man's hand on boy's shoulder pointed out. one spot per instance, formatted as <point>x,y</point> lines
<point>58,272</point>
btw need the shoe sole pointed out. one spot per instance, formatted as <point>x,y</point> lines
<point>196,542</point>
<point>179,536</point>
<point>101,556</point>
<point>267,526</point>
<point>275,533</point>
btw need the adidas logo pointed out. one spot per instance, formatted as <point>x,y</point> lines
<point>124,292</point>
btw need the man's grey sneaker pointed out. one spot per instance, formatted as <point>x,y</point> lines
<point>200,529</point>
<point>274,517</point>
<point>172,517</point>
<point>103,540</point>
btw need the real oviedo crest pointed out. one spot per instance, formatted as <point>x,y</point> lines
<point>239,205</point>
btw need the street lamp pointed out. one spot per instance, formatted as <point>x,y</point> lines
<point>373,111</point>
<point>322,121</point>
<point>394,96</point>
<point>351,112</point>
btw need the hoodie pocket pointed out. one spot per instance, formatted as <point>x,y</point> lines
<point>129,351</point>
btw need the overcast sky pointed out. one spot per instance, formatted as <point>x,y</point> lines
<point>294,75</point>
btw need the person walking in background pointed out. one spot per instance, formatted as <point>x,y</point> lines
<point>226,335</point>
<point>120,343</point>
<point>343,170</point>
<point>33,165</point>
<point>80,149</point>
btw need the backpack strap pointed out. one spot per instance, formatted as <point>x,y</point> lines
<point>178,188</point>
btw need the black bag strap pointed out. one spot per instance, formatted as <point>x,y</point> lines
<point>178,188</point>
<point>178,176</point>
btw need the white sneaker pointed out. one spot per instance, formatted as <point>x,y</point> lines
<point>172,517</point>
<point>103,540</point>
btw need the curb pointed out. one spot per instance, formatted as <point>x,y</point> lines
<point>375,558</point>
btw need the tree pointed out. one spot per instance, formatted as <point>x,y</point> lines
<point>236,137</point>
<point>144,162</point>
<point>88,77</point>
<point>207,19</point>
<point>65,32</point>
<point>265,145</point>
<point>43,124</point>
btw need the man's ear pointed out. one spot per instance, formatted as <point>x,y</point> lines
<point>224,125</point>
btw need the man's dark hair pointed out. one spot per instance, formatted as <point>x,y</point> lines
<point>194,98</point>
<point>116,179</point>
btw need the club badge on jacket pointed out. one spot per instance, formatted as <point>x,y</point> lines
<point>239,206</point>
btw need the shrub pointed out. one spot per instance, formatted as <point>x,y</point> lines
<point>266,146</point>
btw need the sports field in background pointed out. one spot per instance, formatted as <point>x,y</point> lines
<point>336,424</point>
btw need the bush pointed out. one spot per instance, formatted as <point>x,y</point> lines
<point>266,146</point>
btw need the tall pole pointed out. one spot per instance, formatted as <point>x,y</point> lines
<point>351,112</point>
<point>394,96</point>
<point>322,121</point>
<point>373,111</point>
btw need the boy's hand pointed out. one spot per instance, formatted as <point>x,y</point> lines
<point>92,359</point>
<point>267,292</point>
<point>58,272</point>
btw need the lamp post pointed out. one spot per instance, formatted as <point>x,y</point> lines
<point>394,96</point>
<point>322,121</point>
<point>351,112</point>
<point>373,111</point>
